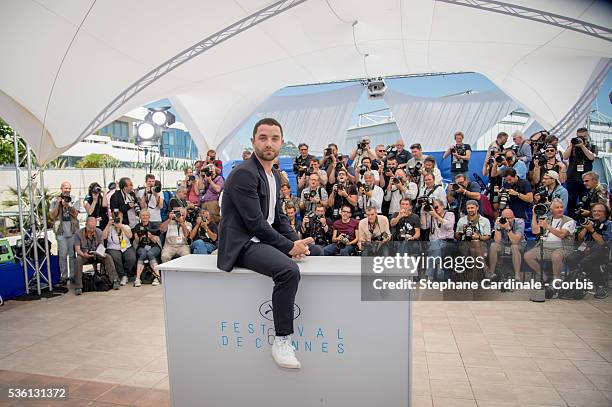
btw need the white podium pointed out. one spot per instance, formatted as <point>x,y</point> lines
<point>219,329</point>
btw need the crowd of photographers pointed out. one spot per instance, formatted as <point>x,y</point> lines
<point>541,205</point>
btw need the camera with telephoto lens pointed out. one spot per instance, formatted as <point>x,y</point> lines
<point>157,187</point>
<point>576,140</point>
<point>391,151</point>
<point>598,226</point>
<point>500,159</point>
<point>426,203</point>
<point>468,231</point>
<point>455,187</point>
<point>339,186</point>
<point>362,169</point>
<point>310,170</point>
<point>541,210</point>
<point>343,239</point>
<point>208,171</point>
<point>177,213</point>
<point>379,238</point>
<point>541,159</point>
<point>300,165</point>
<point>543,193</point>
<point>66,198</point>
<point>503,197</point>
<point>339,163</point>
<point>396,180</point>
<point>362,145</point>
<point>97,190</point>
<point>364,186</point>
<point>415,171</point>
<point>311,194</point>
<point>116,215</point>
<point>328,151</point>
<point>503,220</point>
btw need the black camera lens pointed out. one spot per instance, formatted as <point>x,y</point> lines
<point>576,140</point>
<point>540,210</point>
<point>503,221</point>
<point>67,198</point>
<point>97,190</point>
<point>499,159</point>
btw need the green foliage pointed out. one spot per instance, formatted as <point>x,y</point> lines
<point>57,163</point>
<point>288,149</point>
<point>12,202</point>
<point>7,150</point>
<point>95,160</point>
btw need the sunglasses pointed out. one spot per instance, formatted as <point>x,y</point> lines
<point>345,211</point>
<point>381,151</point>
<point>550,150</point>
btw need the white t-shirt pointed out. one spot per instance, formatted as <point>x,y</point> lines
<point>152,205</point>
<point>555,223</point>
<point>272,200</point>
<point>114,240</point>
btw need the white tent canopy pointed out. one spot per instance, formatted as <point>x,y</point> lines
<point>65,62</point>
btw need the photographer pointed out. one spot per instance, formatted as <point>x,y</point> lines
<point>509,161</point>
<point>180,201</point>
<point>551,188</point>
<point>302,161</point>
<point>152,199</point>
<point>369,194</point>
<point>294,222</point>
<point>284,177</point>
<point>339,163</point>
<point>460,193</point>
<point>363,150</point>
<point>519,194</point>
<point>581,154</point>
<point>86,242</point>
<point>547,161</point>
<point>381,157</point>
<point>495,150</point>
<point>313,195</point>
<point>125,200</point>
<point>344,235</point>
<point>406,225</point>
<point>246,154</point>
<point>400,188</point>
<point>204,234</point>
<point>119,247</point>
<point>212,185</point>
<point>401,156</point>
<point>342,193</point>
<point>312,169</point>
<point>63,211</point>
<point>522,148</point>
<point>441,234</point>
<point>460,156</point>
<point>287,199</point>
<point>388,171</point>
<point>595,236</point>
<point>148,246</point>
<point>177,231</point>
<point>430,190</point>
<point>373,229</point>
<point>595,193</point>
<point>211,159</point>
<point>317,226</point>
<point>366,166</point>
<point>193,184</point>
<point>508,236</point>
<point>556,233</point>
<point>429,165</point>
<point>328,160</point>
<point>417,158</point>
<point>96,204</point>
<point>474,229</point>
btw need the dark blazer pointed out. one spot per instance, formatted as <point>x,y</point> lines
<point>244,210</point>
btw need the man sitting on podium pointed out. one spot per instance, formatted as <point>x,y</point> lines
<point>256,234</point>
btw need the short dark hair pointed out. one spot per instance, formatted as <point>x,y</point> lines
<point>509,171</point>
<point>417,146</point>
<point>302,145</point>
<point>429,159</point>
<point>269,122</point>
<point>502,134</point>
<point>349,207</point>
<point>149,176</point>
<point>582,130</point>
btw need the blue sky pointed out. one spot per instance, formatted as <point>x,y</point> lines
<point>429,86</point>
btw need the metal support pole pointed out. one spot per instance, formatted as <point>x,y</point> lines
<point>24,263</point>
<point>43,205</point>
<point>33,225</point>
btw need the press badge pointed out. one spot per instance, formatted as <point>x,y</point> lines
<point>122,243</point>
<point>335,212</point>
<point>582,247</point>
<point>458,165</point>
<point>507,250</point>
<point>580,168</point>
<point>179,240</point>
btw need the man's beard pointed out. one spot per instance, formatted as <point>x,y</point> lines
<point>264,155</point>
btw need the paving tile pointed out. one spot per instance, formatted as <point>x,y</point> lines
<point>585,398</point>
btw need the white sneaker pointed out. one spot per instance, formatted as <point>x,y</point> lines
<point>124,280</point>
<point>155,282</point>
<point>283,353</point>
<point>137,282</point>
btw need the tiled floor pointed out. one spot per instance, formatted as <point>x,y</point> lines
<point>110,348</point>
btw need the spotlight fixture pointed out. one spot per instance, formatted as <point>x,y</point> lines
<point>161,116</point>
<point>376,88</point>
<point>146,131</point>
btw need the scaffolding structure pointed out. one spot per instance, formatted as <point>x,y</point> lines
<point>32,219</point>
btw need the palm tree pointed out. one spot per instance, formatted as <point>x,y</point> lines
<point>12,202</point>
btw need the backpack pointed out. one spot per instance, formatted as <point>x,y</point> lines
<point>96,282</point>
<point>574,294</point>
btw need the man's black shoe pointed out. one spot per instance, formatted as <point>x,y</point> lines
<point>601,293</point>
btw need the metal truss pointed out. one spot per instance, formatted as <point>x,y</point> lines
<point>188,54</point>
<point>32,219</point>
<point>579,112</point>
<point>544,17</point>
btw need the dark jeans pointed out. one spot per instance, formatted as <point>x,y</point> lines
<point>269,261</point>
<point>333,250</point>
<point>125,262</point>
<point>575,191</point>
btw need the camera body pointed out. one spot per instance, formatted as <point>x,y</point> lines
<point>362,169</point>
<point>157,187</point>
<point>364,186</point>
<point>541,159</point>
<point>379,238</point>
<point>116,215</point>
<point>415,171</point>
<point>396,180</point>
<point>66,198</point>
<point>426,202</point>
<point>455,187</point>
<point>503,220</point>
<point>468,232</point>
<point>96,190</point>
<point>544,194</point>
<point>503,196</point>
<point>177,213</point>
<point>576,140</point>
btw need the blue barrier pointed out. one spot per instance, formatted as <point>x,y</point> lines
<point>12,283</point>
